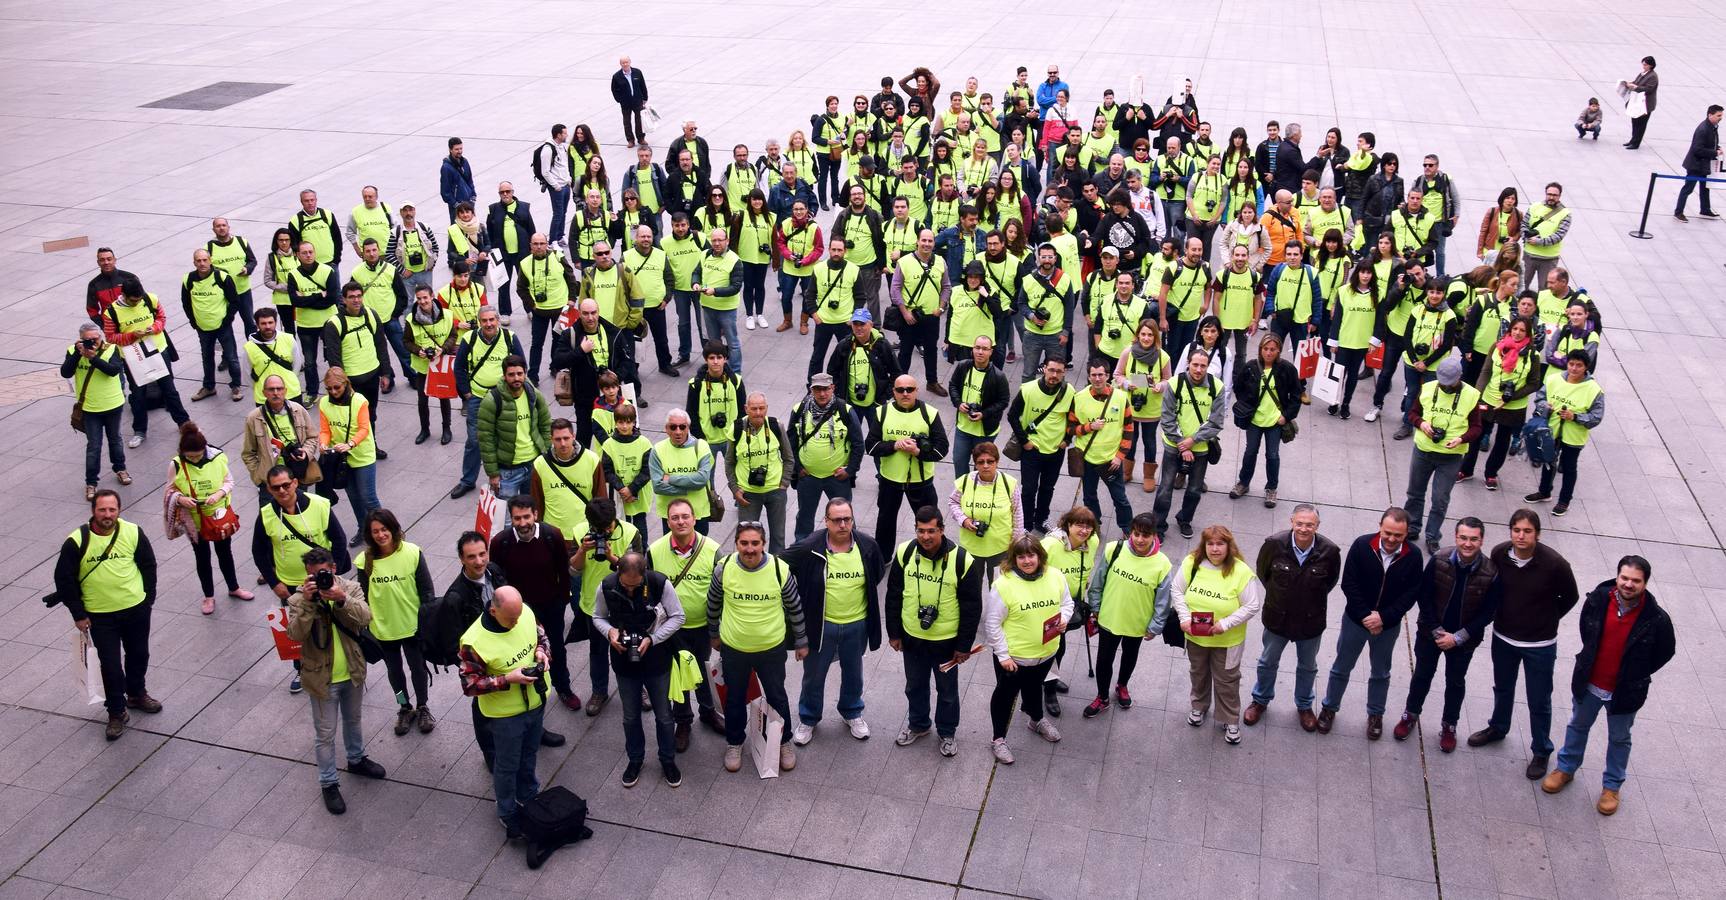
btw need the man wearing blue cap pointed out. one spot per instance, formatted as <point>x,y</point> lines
<point>863,367</point>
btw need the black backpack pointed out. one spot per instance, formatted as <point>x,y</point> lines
<point>442,623</point>
<point>553,818</point>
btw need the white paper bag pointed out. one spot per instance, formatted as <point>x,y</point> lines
<point>489,511</point>
<point>87,669</point>
<point>761,741</point>
<point>1326,386</point>
<point>144,363</point>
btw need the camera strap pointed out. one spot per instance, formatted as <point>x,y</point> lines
<point>271,353</point>
<point>1032,427</point>
<point>694,551</point>
<point>557,469</point>
<point>283,518</point>
<point>815,426</point>
<point>84,544</point>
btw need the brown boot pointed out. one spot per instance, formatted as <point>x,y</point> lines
<point>785,325</point>
<point>936,389</point>
<point>803,324</point>
<point>1150,477</point>
<point>1127,471</point>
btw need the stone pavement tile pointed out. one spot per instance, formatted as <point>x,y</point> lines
<point>1517,856</point>
<point>960,781</point>
<point>1396,768</point>
<point>856,884</point>
<point>700,867</point>
<point>1345,834</point>
<point>778,816</point>
<point>135,850</point>
<point>1112,864</point>
<point>21,888</point>
<point>637,861</point>
<point>40,820</point>
<point>1290,826</point>
<point>729,807</point>
<point>1676,811</point>
<point>941,844</point>
<point>800,878</point>
<point>78,843</point>
<point>224,867</point>
<point>1053,869</point>
<point>333,874</point>
<point>1695,874</point>
<point>1280,878</point>
<point>1403,841</point>
<point>1123,801</point>
<point>998,854</point>
<point>748,874</point>
<point>833,821</point>
<point>39,737</point>
<point>94,776</point>
<point>887,834</point>
<point>1637,869</point>
<point>1016,789</point>
<point>276,871</point>
<point>1174,801</point>
<point>1234,816</point>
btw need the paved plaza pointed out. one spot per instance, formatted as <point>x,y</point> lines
<point>217,796</point>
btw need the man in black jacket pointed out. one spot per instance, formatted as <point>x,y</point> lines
<point>980,397</point>
<point>639,615</point>
<point>840,572</point>
<point>864,366</point>
<point>1626,638</point>
<point>587,349</point>
<point>629,89</point>
<point>509,225</point>
<point>472,592</point>
<point>934,604</point>
<point>1380,580</point>
<point>701,159</point>
<point>1459,595</point>
<point>1298,569</point>
<point>1539,589</point>
<point>1698,160</point>
<point>826,441</point>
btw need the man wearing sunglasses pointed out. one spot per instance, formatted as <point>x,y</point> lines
<point>906,438</point>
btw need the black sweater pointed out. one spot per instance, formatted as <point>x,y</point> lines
<point>970,596</point>
<point>1367,586</point>
<point>71,592</point>
<point>1537,595</point>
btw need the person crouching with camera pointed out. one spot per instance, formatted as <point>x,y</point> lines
<point>326,615</point>
<point>639,615</point>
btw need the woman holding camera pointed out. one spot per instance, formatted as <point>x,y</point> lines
<point>1512,375</point>
<point>1024,615</point>
<point>1071,550</point>
<point>198,505</point>
<point>1215,595</point>
<point>1143,371</point>
<point>430,334</point>
<point>345,441</point>
<point>398,583</point>
<point>985,503</point>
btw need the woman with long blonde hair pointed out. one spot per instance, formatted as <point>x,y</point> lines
<point>1215,595</point>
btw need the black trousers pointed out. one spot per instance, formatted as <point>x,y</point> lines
<point>632,130</point>
<point>1038,473</point>
<point>655,318</point>
<point>1426,654</point>
<point>889,494</point>
<point>1025,685</point>
<point>122,641</point>
<point>224,555</point>
<point>367,386</point>
<point>924,335</point>
<point>539,326</point>
<point>311,350</point>
<point>425,408</point>
<point>769,667</point>
<point>395,654</point>
<point>696,642</point>
<point>1107,644</point>
<point>1638,127</point>
<point>551,615</point>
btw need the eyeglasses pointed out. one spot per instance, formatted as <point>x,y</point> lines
<point>672,426</point>
<point>839,520</point>
<point>904,390</point>
<point>602,253</point>
<point>1429,165</point>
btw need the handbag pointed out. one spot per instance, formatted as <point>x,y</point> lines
<point>215,526</point>
<point>1015,448</point>
<point>1076,457</point>
<point>1290,431</point>
<point>334,464</point>
<point>716,501</point>
<point>78,404</point>
<point>370,648</point>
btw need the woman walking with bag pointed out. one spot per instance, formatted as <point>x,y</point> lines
<point>1267,399</point>
<point>1024,616</point>
<point>1215,595</point>
<point>196,504</point>
<point>398,583</point>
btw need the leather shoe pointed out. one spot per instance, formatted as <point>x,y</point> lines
<point>366,768</point>
<point>681,737</point>
<point>1556,780</point>
<point>550,738</point>
<point>333,800</point>
<point>714,720</point>
<point>1536,768</point>
<point>144,703</point>
<point>1491,735</point>
<point>1608,803</point>
<point>1404,726</point>
<point>1308,721</point>
<point>1326,717</point>
<point>460,490</point>
<point>1252,713</point>
<point>1374,727</point>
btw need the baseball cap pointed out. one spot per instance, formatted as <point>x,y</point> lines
<point>862,315</point>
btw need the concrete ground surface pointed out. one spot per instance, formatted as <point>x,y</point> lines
<point>216,795</point>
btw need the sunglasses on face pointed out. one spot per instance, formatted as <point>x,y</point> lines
<point>674,427</point>
<point>904,390</point>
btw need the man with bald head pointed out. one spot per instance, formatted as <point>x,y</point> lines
<point>760,466</point>
<point>503,658</point>
<point>545,287</point>
<point>230,253</point>
<point>209,299</point>
<point>629,89</point>
<point>650,290</point>
<point>907,439</point>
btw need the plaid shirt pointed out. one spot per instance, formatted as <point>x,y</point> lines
<point>475,678</point>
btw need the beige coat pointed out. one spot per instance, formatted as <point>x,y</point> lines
<point>257,453</point>
<point>305,619</point>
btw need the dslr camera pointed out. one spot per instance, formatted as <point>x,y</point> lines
<point>982,529</point>
<point>601,545</point>
<point>534,671</point>
<point>324,580</point>
<point>717,420</point>
<point>631,646</point>
<point>416,259</point>
<point>87,343</point>
<point>926,614</point>
<point>1438,433</point>
<point>1114,334</point>
<point>758,476</point>
<point>860,391</point>
<point>1506,387</point>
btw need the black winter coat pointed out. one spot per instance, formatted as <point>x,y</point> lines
<point>808,561</point>
<point>1296,595</point>
<point>1651,645</point>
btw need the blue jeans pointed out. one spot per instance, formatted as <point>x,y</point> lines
<point>962,443</point>
<point>362,493</point>
<point>788,285</point>
<point>1306,669</point>
<point>1115,481</point>
<point>1537,663</point>
<point>470,451</point>
<point>687,320</point>
<point>1583,712</point>
<point>1380,647</point>
<point>559,206</point>
<point>769,509</point>
<point>1037,346</point>
<point>393,333</point>
<point>846,642</point>
<point>809,492</point>
<point>515,743</point>
<point>98,426</point>
<point>629,694</point>
<point>721,325</point>
<point>1272,436</point>
<point>513,480</point>
<point>923,661</point>
<point>343,707</point>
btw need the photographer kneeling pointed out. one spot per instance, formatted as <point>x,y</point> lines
<point>326,615</point>
<point>639,614</point>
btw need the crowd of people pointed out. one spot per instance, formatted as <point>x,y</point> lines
<point>1193,283</point>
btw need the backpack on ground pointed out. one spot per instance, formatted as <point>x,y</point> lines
<point>553,818</point>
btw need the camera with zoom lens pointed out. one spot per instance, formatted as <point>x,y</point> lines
<point>416,259</point>
<point>539,298</point>
<point>1139,400</point>
<point>717,420</point>
<point>1506,387</point>
<point>982,528</point>
<point>1438,433</point>
<point>324,580</point>
<point>1184,467</point>
<point>926,615</point>
<point>923,444</point>
<point>535,671</point>
<point>1114,334</point>
<point>87,343</point>
<point>428,352</point>
<point>758,476</point>
<point>600,544</point>
<point>860,391</point>
<point>631,644</point>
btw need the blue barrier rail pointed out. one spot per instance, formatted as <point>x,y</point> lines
<point>1642,228</point>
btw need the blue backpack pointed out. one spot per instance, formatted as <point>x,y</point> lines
<point>1538,443</point>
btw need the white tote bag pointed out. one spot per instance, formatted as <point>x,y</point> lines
<point>1326,385</point>
<point>761,741</point>
<point>87,669</point>
<point>144,363</point>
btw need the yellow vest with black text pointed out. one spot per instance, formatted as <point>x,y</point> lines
<point>505,653</point>
<point>896,423</point>
<point>110,580</point>
<point>1193,402</point>
<point>1447,412</point>
<point>991,504</point>
<point>312,522</point>
<point>684,460</point>
<point>1030,606</point>
<point>931,582</point>
<point>1209,590</point>
<point>210,309</point>
<point>753,617</point>
<point>1130,586</point>
<point>380,288</point>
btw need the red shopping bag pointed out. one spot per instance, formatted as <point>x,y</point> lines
<point>1307,354</point>
<point>287,649</point>
<point>488,511</point>
<point>716,676</point>
<point>1375,357</point>
<point>440,377</point>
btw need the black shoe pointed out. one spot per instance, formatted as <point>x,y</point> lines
<point>641,402</point>
<point>383,454</point>
<point>356,540</point>
<point>713,720</point>
<point>366,768</point>
<point>1560,509</point>
<point>550,738</point>
<point>1333,409</point>
<point>1536,768</point>
<point>632,773</point>
<point>1061,686</point>
<point>333,800</point>
<point>423,436</point>
<point>390,387</point>
<point>1051,700</point>
<point>462,489</point>
<point>1343,414</point>
<point>446,437</point>
<point>673,777</point>
<point>1710,214</point>
<point>1186,529</point>
<point>669,372</point>
<point>680,362</point>
<point>1487,735</point>
<point>1679,216</point>
<point>513,832</point>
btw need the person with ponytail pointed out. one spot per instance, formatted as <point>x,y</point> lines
<point>197,503</point>
<point>1024,615</point>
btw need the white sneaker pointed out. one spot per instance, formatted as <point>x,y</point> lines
<point>134,442</point>
<point>1045,728</point>
<point>761,321</point>
<point>749,322</point>
<point>802,734</point>
<point>907,737</point>
<point>1196,718</point>
<point>859,728</point>
<point>1002,754</point>
<point>1232,734</point>
<point>949,747</point>
<point>1371,415</point>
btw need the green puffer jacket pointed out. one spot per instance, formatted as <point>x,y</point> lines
<point>497,428</point>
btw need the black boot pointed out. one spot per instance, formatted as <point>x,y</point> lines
<point>1051,700</point>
